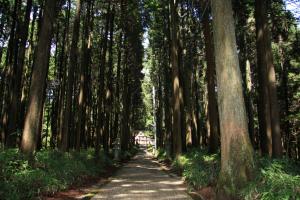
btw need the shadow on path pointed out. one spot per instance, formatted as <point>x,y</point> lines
<point>142,178</point>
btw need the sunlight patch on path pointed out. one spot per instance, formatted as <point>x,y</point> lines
<point>142,178</point>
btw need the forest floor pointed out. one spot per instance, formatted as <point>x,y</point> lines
<point>141,178</point>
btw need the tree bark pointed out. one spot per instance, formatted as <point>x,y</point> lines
<point>285,92</point>
<point>126,99</point>
<point>269,116</point>
<point>213,118</point>
<point>85,65</point>
<point>158,113</point>
<point>109,87</point>
<point>14,120</point>
<point>236,151</point>
<point>101,89</point>
<point>9,74</point>
<point>187,90</point>
<point>39,75</point>
<point>176,98</point>
<point>117,96</point>
<point>62,77</point>
<point>167,110</point>
<point>242,15</point>
<point>71,79</point>
<point>195,114</point>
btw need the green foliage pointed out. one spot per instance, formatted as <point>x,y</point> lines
<point>161,154</point>
<point>51,171</point>
<point>277,179</point>
<point>198,167</point>
<point>147,96</point>
<point>149,134</point>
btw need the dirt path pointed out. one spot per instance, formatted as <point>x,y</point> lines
<point>142,179</point>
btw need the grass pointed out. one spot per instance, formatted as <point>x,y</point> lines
<point>198,168</point>
<point>52,171</point>
<point>276,179</point>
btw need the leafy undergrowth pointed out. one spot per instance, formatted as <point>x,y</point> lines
<point>52,171</point>
<point>276,179</point>
<point>198,168</point>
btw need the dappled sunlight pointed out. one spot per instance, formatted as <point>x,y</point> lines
<point>171,182</point>
<point>149,99</point>
<point>127,185</point>
<point>117,181</point>
<point>143,178</point>
<point>143,191</point>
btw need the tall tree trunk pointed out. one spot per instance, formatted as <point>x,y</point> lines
<point>199,97</point>
<point>14,121</point>
<point>211,86</point>
<point>109,87</point>
<point>176,98</point>
<point>117,97</point>
<point>269,116</point>
<point>195,114</point>
<point>242,18</point>
<point>236,151</point>
<point>126,100</point>
<point>249,102</point>
<point>29,64</point>
<point>39,137</point>
<point>39,76</point>
<point>167,86</point>
<point>159,117</point>
<point>9,73</point>
<point>71,78</point>
<point>85,65</point>
<point>284,85</point>
<point>157,107</point>
<point>167,110</point>
<point>182,73</point>
<point>187,90</point>
<point>55,102</point>
<point>62,77</point>
<point>101,91</point>
<point>126,97</point>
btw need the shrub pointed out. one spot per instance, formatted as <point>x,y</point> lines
<point>161,155</point>
<point>277,179</point>
<point>52,171</point>
<point>198,167</point>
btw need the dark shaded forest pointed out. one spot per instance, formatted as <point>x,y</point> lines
<point>215,82</point>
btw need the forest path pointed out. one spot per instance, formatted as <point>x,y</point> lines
<point>143,178</point>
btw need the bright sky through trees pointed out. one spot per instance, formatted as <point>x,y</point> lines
<point>294,7</point>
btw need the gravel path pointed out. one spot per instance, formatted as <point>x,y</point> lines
<point>142,178</point>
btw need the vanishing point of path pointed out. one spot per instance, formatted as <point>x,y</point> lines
<point>143,179</point>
